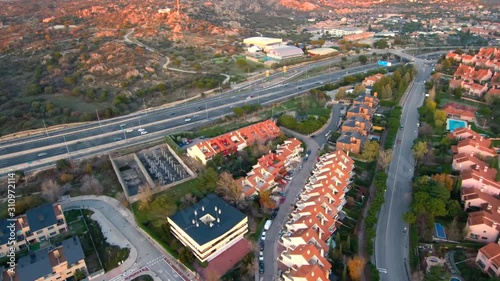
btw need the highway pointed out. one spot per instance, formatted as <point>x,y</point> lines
<point>39,151</point>
<point>391,243</point>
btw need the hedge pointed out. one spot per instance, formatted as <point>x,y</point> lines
<point>376,204</point>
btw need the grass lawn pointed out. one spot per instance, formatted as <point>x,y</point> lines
<point>174,193</point>
<point>446,100</point>
<point>481,131</point>
<point>413,247</point>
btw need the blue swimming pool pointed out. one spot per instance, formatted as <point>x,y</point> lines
<point>452,124</point>
<point>455,279</point>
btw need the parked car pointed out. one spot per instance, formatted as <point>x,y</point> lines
<point>399,141</point>
<point>274,214</point>
<point>261,244</point>
<point>288,178</point>
<point>261,267</point>
<point>282,200</point>
<point>263,236</point>
<point>261,256</point>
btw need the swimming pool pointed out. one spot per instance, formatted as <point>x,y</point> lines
<point>452,124</point>
<point>455,279</point>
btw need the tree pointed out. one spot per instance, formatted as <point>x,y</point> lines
<point>65,178</point>
<point>420,150</point>
<point>356,266</point>
<point>439,118</point>
<point>63,164</point>
<point>385,158</point>
<point>51,190</point>
<point>145,196</point>
<point>370,150</point>
<point>485,111</point>
<point>381,44</point>
<point>359,89</point>
<point>341,93</point>
<point>228,188</point>
<point>266,201</point>
<point>454,208</point>
<point>241,63</point>
<point>162,207</point>
<point>430,105</point>
<point>88,168</point>
<point>186,256</point>
<point>409,217</point>
<point>79,275</point>
<point>444,180</point>
<point>363,59</point>
<point>238,111</point>
<point>91,185</point>
<point>437,273</point>
<point>188,200</point>
<point>209,180</point>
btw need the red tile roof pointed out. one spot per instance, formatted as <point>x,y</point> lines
<point>451,109</point>
<point>491,252</point>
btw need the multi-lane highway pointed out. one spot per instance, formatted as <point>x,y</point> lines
<point>391,244</point>
<point>42,150</point>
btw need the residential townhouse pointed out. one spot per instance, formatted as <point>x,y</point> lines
<point>468,59</point>
<point>483,222</point>
<point>471,142</point>
<point>453,56</point>
<point>357,124</point>
<point>234,141</point>
<point>475,89</point>
<point>361,110</point>
<point>271,167</point>
<point>464,162</point>
<point>36,225</point>
<point>370,80</point>
<point>314,219</point>
<point>367,99</point>
<point>458,112</point>
<point>488,259</point>
<point>51,263</point>
<point>351,141</point>
<point>487,53</point>
<point>481,178</point>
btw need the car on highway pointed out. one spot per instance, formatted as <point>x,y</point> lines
<point>261,267</point>
<point>129,131</point>
<point>200,107</point>
<point>249,97</point>
<point>261,256</point>
<point>173,113</point>
<point>42,154</point>
<point>144,132</point>
<point>123,125</point>
<point>117,139</point>
<point>196,116</point>
<point>399,141</point>
<point>141,129</point>
<point>263,236</point>
<point>187,119</point>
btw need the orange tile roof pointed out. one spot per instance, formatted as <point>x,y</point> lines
<point>309,273</point>
<point>483,174</point>
<point>463,70</point>
<point>450,109</point>
<point>493,91</point>
<point>308,252</point>
<point>491,252</point>
<point>469,160</point>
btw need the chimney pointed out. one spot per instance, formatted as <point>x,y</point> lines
<point>469,127</point>
<point>498,209</point>
<point>489,207</point>
<point>485,168</point>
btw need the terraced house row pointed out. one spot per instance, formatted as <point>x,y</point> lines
<point>479,192</point>
<point>307,233</point>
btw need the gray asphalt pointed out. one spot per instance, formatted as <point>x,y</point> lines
<point>30,152</point>
<point>391,244</point>
<point>148,254</point>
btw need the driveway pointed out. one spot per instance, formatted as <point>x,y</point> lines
<point>144,253</point>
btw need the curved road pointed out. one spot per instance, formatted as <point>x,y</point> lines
<point>122,220</point>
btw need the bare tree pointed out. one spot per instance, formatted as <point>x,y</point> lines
<point>145,196</point>
<point>385,158</point>
<point>91,185</point>
<point>51,190</point>
<point>188,200</point>
<point>228,188</point>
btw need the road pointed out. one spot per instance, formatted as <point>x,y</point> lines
<point>40,150</point>
<point>147,254</point>
<point>391,243</point>
<point>294,188</point>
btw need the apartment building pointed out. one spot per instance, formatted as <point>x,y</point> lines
<point>488,259</point>
<point>36,225</point>
<point>51,263</point>
<point>234,141</point>
<point>271,167</point>
<point>483,223</point>
<point>313,221</point>
<point>209,227</point>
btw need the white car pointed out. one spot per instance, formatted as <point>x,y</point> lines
<point>288,178</point>
<point>328,133</point>
<point>141,129</point>
<point>187,119</point>
<point>261,256</point>
<point>143,132</point>
<point>263,236</point>
<point>129,131</point>
<point>196,116</point>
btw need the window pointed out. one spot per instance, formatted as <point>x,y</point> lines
<point>39,231</point>
<point>52,234</point>
<point>51,227</point>
<point>474,236</point>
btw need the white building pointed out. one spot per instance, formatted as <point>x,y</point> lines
<point>262,42</point>
<point>285,52</point>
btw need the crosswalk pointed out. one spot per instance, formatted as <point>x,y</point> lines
<point>133,272</point>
